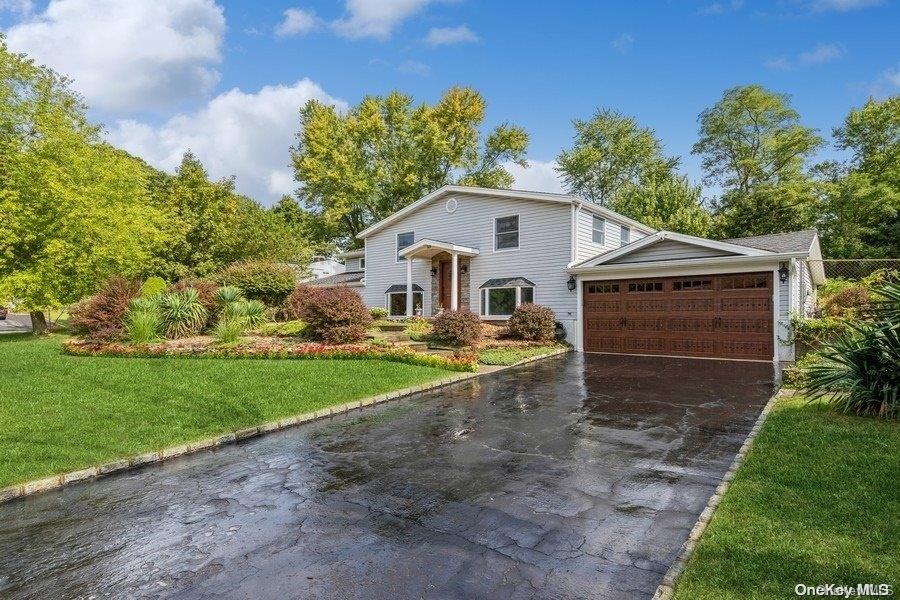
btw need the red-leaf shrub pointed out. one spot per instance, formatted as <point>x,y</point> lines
<point>295,306</point>
<point>102,316</point>
<point>336,315</point>
<point>206,290</point>
<point>266,281</point>
<point>532,322</point>
<point>457,327</point>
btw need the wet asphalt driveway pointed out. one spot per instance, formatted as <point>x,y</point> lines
<point>574,477</point>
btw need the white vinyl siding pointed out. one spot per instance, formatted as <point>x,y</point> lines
<point>353,264</point>
<point>584,228</point>
<point>544,250</point>
<point>669,250</point>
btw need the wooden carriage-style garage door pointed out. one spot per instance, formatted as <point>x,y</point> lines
<point>715,316</point>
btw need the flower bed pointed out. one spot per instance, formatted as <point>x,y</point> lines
<point>310,351</point>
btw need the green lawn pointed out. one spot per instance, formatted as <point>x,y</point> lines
<point>510,356</point>
<point>816,502</point>
<point>59,413</point>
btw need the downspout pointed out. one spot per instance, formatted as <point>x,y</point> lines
<point>576,210</point>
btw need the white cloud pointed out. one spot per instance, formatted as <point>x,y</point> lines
<point>717,8</point>
<point>623,43</point>
<point>376,18</point>
<point>842,5</point>
<point>140,54</point>
<point>821,53</point>
<point>414,67</point>
<point>236,133</point>
<point>297,21</point>
<point>893,76</point>
<point>886,85</point>
<point>442,36</point>
<point>538,177</point>
<point>22,7</point>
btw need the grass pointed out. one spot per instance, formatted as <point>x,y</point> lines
<point>816,502</point>
<point>510,356</point>
<point>59,413</point>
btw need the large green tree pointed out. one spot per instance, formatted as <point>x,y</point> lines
<point>860,207</point>
<point>359,166</point>
<point>754,147</point>
<point>664,200</point>
<point>73,210</point>
<point>610,152</point>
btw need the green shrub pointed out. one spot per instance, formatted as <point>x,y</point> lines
<point>378,313</point>
<point>295,328</point>
<point>183,314</point>
<point>859,371</point>
<point>143,326</point>
<point>206,292</point>
<point>253,311</point>
<point>228,294</point>
<point>795,376</point>
<point>417,325</point>
<point>228,330</point>
<point>811,334</point>
<point>102,316</point>
<point>457,327</point>
<point>153,286</point>
<point>337,315</point>
<point>146,304</point>
<point>269,282</point>
<point>532,322</point>
<point>849,302</point>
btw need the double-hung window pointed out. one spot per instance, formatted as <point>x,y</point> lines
<point>626,234</point>
<point>598,230</point>
<point>506,233</point>
<point>404,240</point>
<point>397,303</point>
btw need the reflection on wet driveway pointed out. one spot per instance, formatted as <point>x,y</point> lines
<point>574,477</point>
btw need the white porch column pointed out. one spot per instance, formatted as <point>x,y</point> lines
<point>454,282</point>
<point>409,288</point>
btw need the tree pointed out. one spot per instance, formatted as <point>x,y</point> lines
<point>610,152</point>
<point>73,209</point>
<point>358,167</point>
<point>664,200</point>
<point>753,145</point>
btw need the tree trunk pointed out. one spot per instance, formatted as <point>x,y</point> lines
<point>38,322</point>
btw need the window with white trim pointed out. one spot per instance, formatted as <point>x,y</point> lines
<point>502,301</point>
<point>625,235</point>
<point>404,240</point>
<point>362,263</point>
<point>396,303</point>
<point>598,230</point>
<point>506,233</point>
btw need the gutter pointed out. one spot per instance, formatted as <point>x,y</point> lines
<point>690,262</point>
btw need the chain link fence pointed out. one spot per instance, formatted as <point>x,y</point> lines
<point>854,269</point>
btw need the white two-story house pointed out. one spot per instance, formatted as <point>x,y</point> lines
<point>615,285</point>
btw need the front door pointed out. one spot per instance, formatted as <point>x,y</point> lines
<point>446,277</point>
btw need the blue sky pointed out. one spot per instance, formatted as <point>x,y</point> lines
<point>225,77</point>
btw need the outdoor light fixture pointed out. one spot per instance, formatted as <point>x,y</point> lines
<point>464,269</point>
<point>434,271</point>
<point>783,272</point>
<point>571,283</point>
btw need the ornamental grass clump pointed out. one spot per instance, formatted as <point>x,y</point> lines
<point>143,326</point>
<point>860,371</point>
<point>228,330</point>
<point>183,314</point>
<point>228,294</point>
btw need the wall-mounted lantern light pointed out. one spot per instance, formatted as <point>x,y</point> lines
<point>464,269</point>
<point>571,283</point>
<point>783,272</point>
<point>434,271</point>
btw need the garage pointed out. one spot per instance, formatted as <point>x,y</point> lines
<point>711,316</point>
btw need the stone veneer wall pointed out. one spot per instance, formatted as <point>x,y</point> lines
<point>464,296</point>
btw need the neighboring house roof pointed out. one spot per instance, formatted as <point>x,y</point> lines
<point>507,282</point>
<point>350,278</point>
<point>515,194</point>
<point>792,241</point>
<point>401,287</point>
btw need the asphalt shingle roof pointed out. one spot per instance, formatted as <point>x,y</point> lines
<point>339,279</point>
<point>793,241</point>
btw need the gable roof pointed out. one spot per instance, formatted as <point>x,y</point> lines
<point>348,278</point>
<point>500,193</point>
<point>792,241</point>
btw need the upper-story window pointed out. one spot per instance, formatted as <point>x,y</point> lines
<point>598,232</point>
<point>362,263</point>
<point>404,240</point>
<point>626,234</point>
<point>506,233</point>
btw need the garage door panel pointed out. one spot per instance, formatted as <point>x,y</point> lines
<point>715,316</point>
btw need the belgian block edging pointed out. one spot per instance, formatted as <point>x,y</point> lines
<point>666,589</point>
<point>53,482</point>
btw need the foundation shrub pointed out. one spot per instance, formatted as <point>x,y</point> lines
<point>532,322</point>
<point>457,327</point>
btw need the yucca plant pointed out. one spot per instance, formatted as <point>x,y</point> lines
<point>143,326</point>
<point>253,311</point>
<point>860,370</point>
<point>228,294</point>
<point>229,330</point>
<point>145,304</point>
<point>182,313</point>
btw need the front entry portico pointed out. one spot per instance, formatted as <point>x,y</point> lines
<point>430,249</point>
